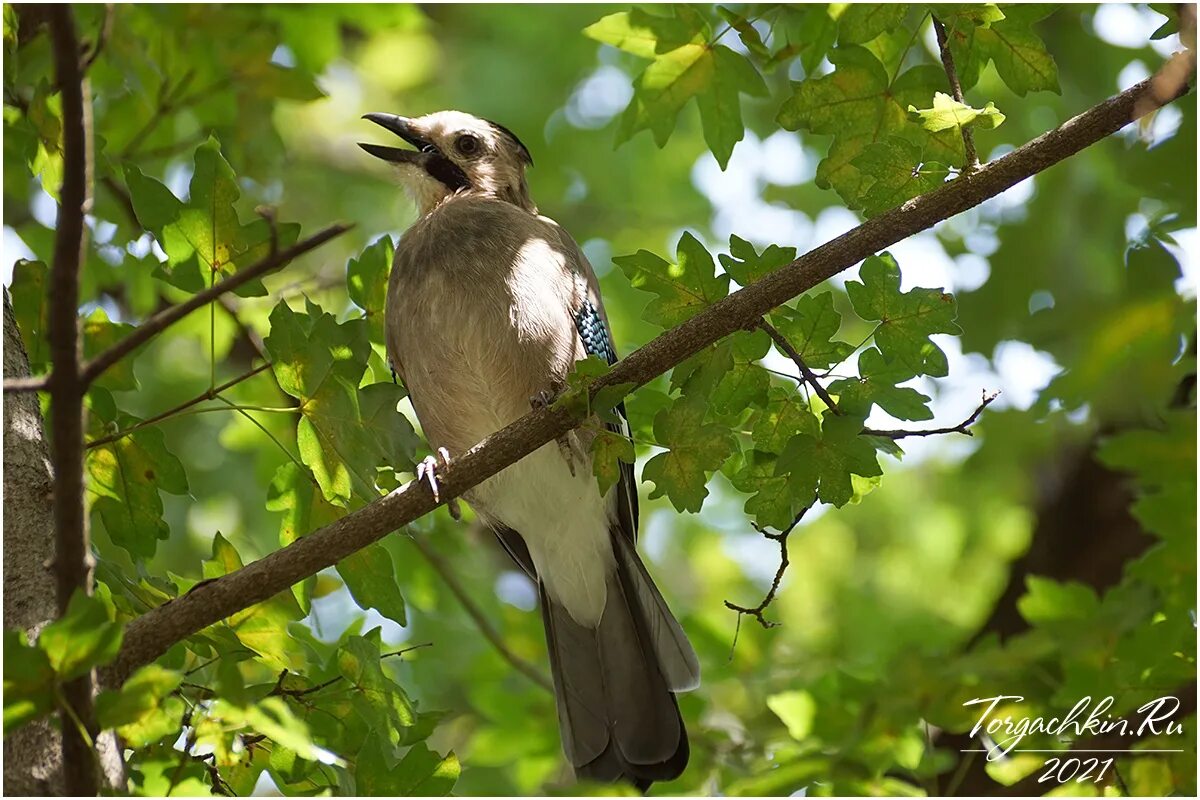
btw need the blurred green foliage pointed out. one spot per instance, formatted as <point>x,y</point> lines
<point>222,131</point>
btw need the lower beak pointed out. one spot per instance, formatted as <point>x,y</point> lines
<point>402,127</point>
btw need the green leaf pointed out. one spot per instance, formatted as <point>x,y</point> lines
<point>144,709</point>
<point>1020,56</point>
<point>272,717</point>
<point>684,288</point>
<point>948,113</point>
<point>645,34</point>
<point>811,31</point>
<point>695,449</point>
<point>685,65</point>
<point>99,334</point>
<point>862,22</point>
<point>261,628</point>
<point>81,639</point>
<point>153,203</point>
<point>796,710</point>
<point>370,575</point>
<point>859,106</point>
<point>367,282</point>
<point>1163,465</point>
<point>906,319</point>
<point>746,32</point>
<point>377,699</point>
<point>28,294</point>
<point>810,326</point>
<point>343,433</point>
<point>745,384</point>
<point>423,773</point>
<point>897,173</point>
<point>824,464</point>
<point>124,480</point>
<point>1048,602</point>
<point>772,502</point>
<point>876,385</point>
<point>28,681</point>
<point>745,265</point>
<point>721,105</point>
<point>205,241</point>
<point>294,491</point>
<point>608,450</point>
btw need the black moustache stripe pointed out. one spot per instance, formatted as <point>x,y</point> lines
<point>447,172</point>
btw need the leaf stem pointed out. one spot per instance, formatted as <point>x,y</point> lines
<point>210,394</point>
<point>972,159</point>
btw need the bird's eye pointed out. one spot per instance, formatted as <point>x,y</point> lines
<point>467,145</point>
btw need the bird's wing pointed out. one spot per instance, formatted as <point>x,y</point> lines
<point>591,321</point>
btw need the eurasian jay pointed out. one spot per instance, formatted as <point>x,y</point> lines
<point>489,306</point>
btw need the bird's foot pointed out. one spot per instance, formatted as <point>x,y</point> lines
<point>544,399</point>
<point>427,471</point>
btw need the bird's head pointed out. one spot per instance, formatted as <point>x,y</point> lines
<point>455,152</point>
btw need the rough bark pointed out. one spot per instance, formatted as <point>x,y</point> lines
<point>33,753</point>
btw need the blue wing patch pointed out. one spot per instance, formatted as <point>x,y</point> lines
<point>594,333</point>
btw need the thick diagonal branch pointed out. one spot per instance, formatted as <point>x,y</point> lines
<point>150,635</point>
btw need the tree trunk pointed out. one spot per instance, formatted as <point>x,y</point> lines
<point>32,753</point>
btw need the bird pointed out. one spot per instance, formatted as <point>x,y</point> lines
<point>489,306</point>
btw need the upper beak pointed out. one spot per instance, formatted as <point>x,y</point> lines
<point>402,127</point>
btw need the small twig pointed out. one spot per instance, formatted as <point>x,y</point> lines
<point>169,316</point>
<point>123,199</point>
<point>782,538</point>
<point>279,691</point>
<point>962,427</point>
<point>208,394</point>
<point>475,613</point>
<point>101,38</point>
<point>31,383</point>
<point>972,160</point>
<point>809,376</point>
<point>268,214</point>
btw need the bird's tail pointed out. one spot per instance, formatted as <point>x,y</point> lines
<point>616,683</point>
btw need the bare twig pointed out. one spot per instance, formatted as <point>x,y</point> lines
<point>72,556</point>
<point>971,162</point>
<point>782,538</point>
<point>207,394</point>
<point>31,383</point>
<point>476,613</point>
<point>169,316</point>
<point>279,691</point>
<point>101,38</point>
<point>149,635</point>
<point>963,427</point>
<point>809,376</point>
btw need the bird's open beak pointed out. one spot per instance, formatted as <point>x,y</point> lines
<point>402,127</point>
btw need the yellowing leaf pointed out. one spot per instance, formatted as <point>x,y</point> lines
<point>949,113</point>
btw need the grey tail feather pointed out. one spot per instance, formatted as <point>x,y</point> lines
<point>615,683</point>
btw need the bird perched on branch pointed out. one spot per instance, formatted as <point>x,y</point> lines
<point>489,306</point>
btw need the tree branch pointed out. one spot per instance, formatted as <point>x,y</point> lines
<point>72,554</point>
<point>782,538</point>
<point>208,394</point>
<point>972,160</point>
<point>169,316</point>
<point>27,383</point>
<point>807,374</point>
<point>148,636</point>
<point>962,427</point>
<point>485,627</point>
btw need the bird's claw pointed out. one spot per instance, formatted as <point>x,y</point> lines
<point>544,399</point>
<point>427,471</point>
